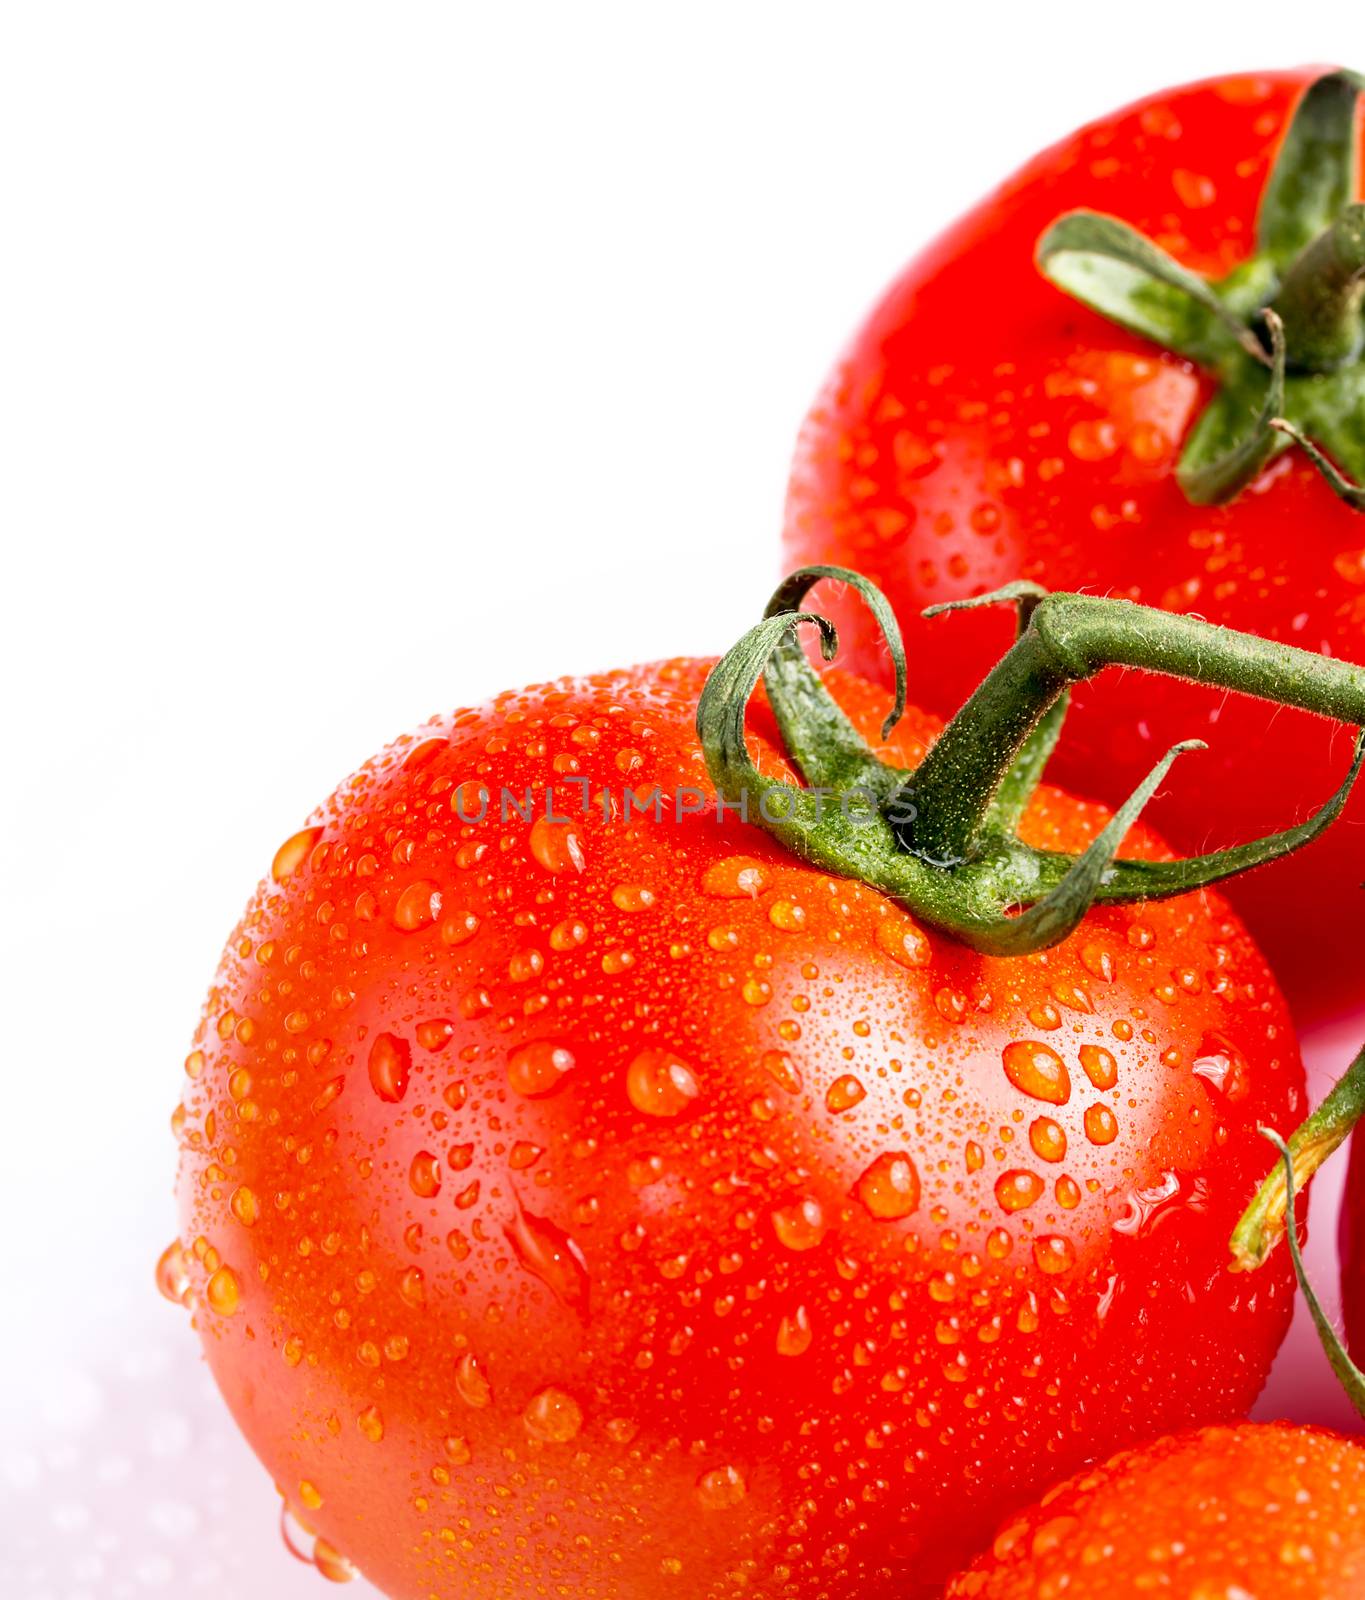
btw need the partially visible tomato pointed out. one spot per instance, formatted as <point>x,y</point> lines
<point>617,1207</point>
<point>983,426</point>
<point>1268,1512</point>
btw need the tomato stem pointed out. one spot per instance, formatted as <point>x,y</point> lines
<point>1263,1222</point>
<point>1349,1375</point>
<point>1308,270</point>
<point>942,839</point>
<point>1320,299</point>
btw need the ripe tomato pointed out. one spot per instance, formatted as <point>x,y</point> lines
<point>1222,1514</point>
<point>620,1207</point>
<point>983,426</point>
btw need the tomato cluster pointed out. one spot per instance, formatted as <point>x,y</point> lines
<point>588,1188</point>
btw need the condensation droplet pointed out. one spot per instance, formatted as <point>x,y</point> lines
<point>548,1253</point>
<point>735,878</point>
<point>1035,1069</point>
<point>553,1417</point>
<point>844,1093</point>
<point>389,1064</point>
<point>538,1068</point>
<point>660,1085</point>
<point>888,1190</point>
<point>721,1489</point>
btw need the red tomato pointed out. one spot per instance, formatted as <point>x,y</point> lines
<point>614,1207</point>
<point>1222,1514</point>
<point>983,426</point>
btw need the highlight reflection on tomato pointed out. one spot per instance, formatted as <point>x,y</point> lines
<point>617,1207</point>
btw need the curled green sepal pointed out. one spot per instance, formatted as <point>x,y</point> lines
<point>1341,486</point>
<point>1349,1375</point>
<point>1111,268</point>
<point>1314,176</point>
<point>1223,454</point>
<point>1062,909</point>
<point>1307,269</point>
<point>941,838</point>
<point>1159,880</point>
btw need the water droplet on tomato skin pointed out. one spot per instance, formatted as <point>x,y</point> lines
<point>889,1190</point>
<point>424,1175</point>
<point>800,1225</point>
<point>904,941</point>
<point>1053,1254</point>
<point>548,1253</point>
<point>1101,1125</point>
<point>471,1383</point>
<point>1099,1066</point>
<point>1047,1138</point>
<point>1223,1067</point>
<point>553,1417</point>
<point>539,1068</point>
<point>721,1489</point>
<point>293,853</point>
<point>1035,1069</point>
<point>371,1424</point>
<point>332,1564</point>
<point>1015,1191</point>
<point>557,846</point>
<point>782,1070</point>
<point>172,1274</point>
<point>659,1084</point>
<point>794,1333</point>
<point>223,1292</point>
<point>844,1093</point>
<point>735,878</point>
<point>418,906</point>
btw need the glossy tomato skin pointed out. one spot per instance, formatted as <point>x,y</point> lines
<point>982,426</point>
<point>625,1208</point>
<point>1262,1509</point>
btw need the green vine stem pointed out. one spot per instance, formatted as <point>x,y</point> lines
<point>1349,1375</point>
<point>1283,333</point>
<point>1263,1222</point>
<point>942,839</point>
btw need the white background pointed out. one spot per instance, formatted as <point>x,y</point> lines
<point>355,363</point>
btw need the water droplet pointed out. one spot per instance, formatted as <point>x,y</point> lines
<point>1098,963</point>
<point>331,1563</point>
<point>293,853</point>
<point>245,1206</point>
<point>782,1070</point>
<point>539,1067</point>
<point>1147,1207</point>
<point>418,906</point>
<point>735,878</point>
<point>557,846</point>
<point>1053,1254</point>
<point>550,1254</point>
<point>1035,1069</point>
<point>1018,1189</point>
<point>794,1333</point>
<point>1099,1066</point>
<point>172,1274</point>
<point>471,1384</point>
<point>632,897</point>
<point>721,1489</point>
<point>553,1416</point>
<point>844,1093</point>
<point>424,1175</point>
<point>1223,1066</point>
<point>371,1424</point>
<point>1047,1139</point>
<point>1101,1126</point>
<point>801,1225</point>
<point>787,915</point>
<point>389,1064</point>
<point>223,1292</point>
<point>904,941</point>
<point>309,1498</point>
<point>889,1189</point>
<point>459,928</point>
<point>660,1085</point>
